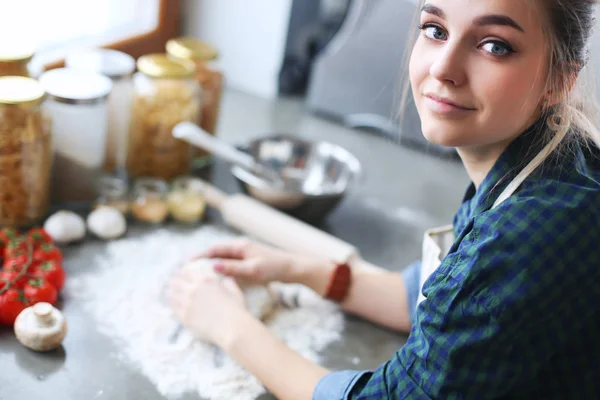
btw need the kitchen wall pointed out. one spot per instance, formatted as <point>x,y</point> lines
<point>250,35</point>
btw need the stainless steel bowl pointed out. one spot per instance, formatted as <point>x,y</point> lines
<point>316,175</point>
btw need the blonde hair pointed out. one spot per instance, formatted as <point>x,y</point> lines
<point>569,24</point>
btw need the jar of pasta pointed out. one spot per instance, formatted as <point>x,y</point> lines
<point>25,152</point>
<point>165,93</point>
<point>14,61</point>
<point>186,199</point>
<point>150,200</point>
<point>211,82</point>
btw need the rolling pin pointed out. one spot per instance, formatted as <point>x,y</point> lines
<point>278,229</point>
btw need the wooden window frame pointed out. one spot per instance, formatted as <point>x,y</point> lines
<point>168,27</point>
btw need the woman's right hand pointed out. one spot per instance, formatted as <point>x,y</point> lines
<point>248,259</point>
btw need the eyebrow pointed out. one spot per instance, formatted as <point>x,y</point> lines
<point>492,19</point>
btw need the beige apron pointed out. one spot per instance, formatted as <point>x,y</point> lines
<point>438,241</point>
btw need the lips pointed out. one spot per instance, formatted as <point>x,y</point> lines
<point>448,102</point>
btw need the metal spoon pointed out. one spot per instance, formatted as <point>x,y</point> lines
<point>198,137</point>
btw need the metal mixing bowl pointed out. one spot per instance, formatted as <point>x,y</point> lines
<point>316,175</point>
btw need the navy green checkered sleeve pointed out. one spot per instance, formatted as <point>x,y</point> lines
<point>502,311</point>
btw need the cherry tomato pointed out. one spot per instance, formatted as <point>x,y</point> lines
<point>39,236</point>
<point>8,234</point>
<point>17,263</point>
<point>11,278</point>
<point>47,252</point>
<point>39,290</point>
<point>17,247</point>
<point>12,302</point>
<point>52,271</point>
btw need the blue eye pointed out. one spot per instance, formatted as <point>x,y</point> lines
<point>433,32</point>
<point>497,48</point>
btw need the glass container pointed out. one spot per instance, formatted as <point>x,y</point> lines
<point>186,199</point>
<point>119,67</point>
<point>78,104</point>
<point>25,152</point>
<point>149,202</point>
<point>165,93</point>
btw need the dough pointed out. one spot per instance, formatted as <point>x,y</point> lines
<point>260,299</point>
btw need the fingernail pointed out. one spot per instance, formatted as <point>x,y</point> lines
<point>219,268</point>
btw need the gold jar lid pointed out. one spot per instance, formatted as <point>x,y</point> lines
<point>13,53</point>
<point>191,48</point>
<point>162,66</point>
<point>18,90</point>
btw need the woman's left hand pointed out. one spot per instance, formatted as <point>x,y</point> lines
<point>208,305</point>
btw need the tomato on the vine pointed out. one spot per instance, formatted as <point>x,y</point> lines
<point>17,263</point>
<point>47,252</point>
<point>11,277</point>
<point>39,236</point>
<point>12,303</point>
<point>18,247</point>
<point>8,234</point>
<point>52,271</point>
<point>39,290</point>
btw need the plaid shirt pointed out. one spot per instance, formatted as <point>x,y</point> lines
<point>513,311</point>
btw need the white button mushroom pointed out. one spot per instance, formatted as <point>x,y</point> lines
<point>65,227</point>
<point>41,327</point>
<point>107,223</point>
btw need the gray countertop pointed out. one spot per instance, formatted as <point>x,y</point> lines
<point>404,193</point>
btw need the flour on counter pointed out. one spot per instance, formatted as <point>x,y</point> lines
<point>125,296</point>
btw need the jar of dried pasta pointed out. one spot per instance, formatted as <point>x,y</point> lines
<point>14,61</point>
<point>25,152</point>
<point>210,80</point>
<point>165,93</point>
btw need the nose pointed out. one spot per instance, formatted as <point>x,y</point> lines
<point>449,65</point>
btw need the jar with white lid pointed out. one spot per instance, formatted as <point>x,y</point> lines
<point>165,94</point>
<point>78,104</point>
<point>25,152</point>
<point>119,67</point>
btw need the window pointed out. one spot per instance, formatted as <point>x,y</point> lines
<point>54,27</point>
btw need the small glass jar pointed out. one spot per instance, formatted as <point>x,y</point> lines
<point>210,80</point>
<point>113,192</point>
<point>25,152</point>
<point>150,200</point>
<point>165,93</point>
<point>119,67</point>
<point>14,61</point>
<point>78,104</point>
<point>186,199</point>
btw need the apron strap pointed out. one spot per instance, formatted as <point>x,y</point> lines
<point>524,174</point>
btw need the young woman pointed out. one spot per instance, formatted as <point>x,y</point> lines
<point>513,309</point>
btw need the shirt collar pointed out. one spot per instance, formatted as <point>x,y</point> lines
<point>512,160</point>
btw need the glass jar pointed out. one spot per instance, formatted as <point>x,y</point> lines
<point>113,192</point>
<point>77,102</point>
<point>165,93</point>
<point>186,199</point>
<point>210,80</point>
<point>14,61</point>
<point>119,67</point>
<point>25,152</point>
<point>150,200</point>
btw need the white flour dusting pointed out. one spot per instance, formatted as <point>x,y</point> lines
<point>125,296</point>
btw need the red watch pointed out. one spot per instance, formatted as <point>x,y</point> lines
<point>339,284</point>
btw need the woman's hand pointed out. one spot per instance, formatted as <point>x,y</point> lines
<point>210,306</point>
<point>247,259</point>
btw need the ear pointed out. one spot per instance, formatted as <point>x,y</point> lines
<point>562,86</point>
